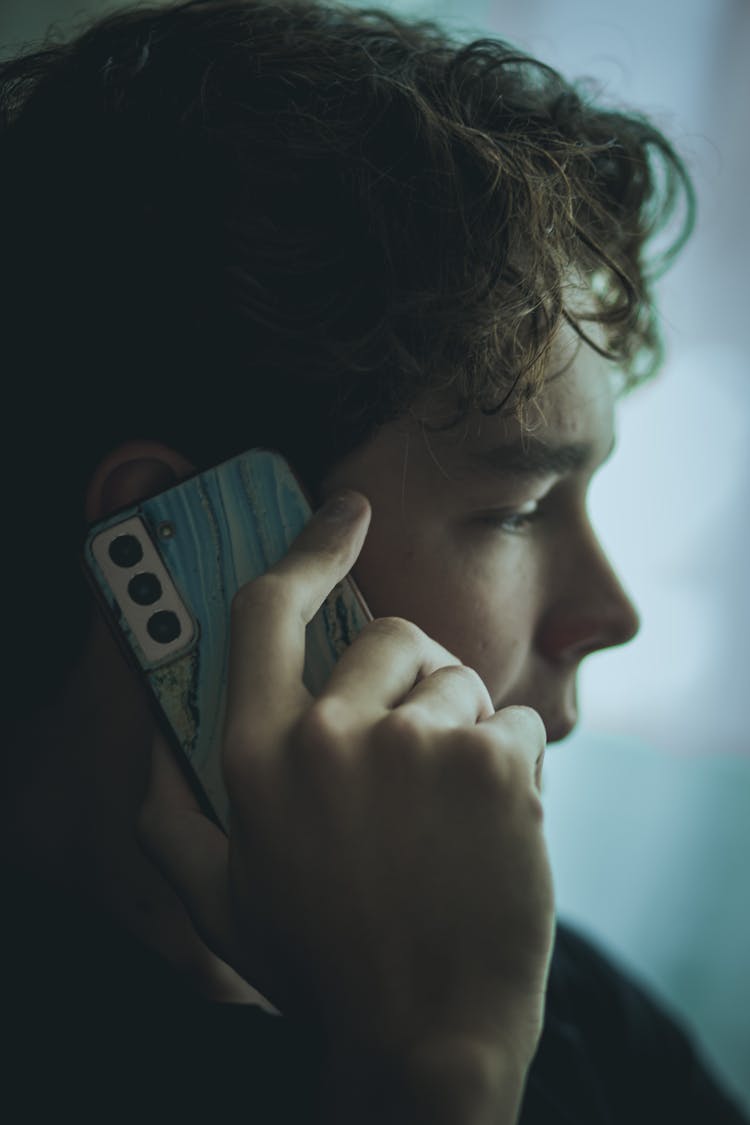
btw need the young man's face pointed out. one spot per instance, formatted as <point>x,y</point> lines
<point>484,540</point>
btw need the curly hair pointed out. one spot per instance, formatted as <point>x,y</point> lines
<point>238,222</point>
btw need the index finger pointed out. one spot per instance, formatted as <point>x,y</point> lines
<point>523,726</point>
<point>265,692</point>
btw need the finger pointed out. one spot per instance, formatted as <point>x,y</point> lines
<point>450,697</point>
<point>190,851</point>
<point>265,691</point>
<point>538,770</point>
<point>383,664</point>
<point>520,730</point>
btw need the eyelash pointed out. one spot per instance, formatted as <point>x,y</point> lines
<point>514,523</point>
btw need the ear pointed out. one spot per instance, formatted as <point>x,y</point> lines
<point>132,472</point>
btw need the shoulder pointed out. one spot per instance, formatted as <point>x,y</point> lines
<point>633,1055</point>
<point>589,980</point>
<point>615,1010</point>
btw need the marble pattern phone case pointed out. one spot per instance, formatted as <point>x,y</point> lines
<point>212,533</point>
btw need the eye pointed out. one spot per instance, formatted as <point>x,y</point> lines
<point>514,520</point>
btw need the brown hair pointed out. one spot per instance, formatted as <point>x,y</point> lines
<point>234,223</point>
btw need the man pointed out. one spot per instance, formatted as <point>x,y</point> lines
<point>419,270</point>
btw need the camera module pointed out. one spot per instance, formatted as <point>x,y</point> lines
<point>164,626</point>
<point>145,589</point>
<point>125,551</point>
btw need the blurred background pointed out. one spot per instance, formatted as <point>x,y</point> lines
<point>648,803</point>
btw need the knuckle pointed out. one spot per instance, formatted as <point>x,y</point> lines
<point>398,629</point>
<point>469,674</point>
<point>403,725</point>
<point>473,680</point>
<point>522,724</point>
<point>321,735</point>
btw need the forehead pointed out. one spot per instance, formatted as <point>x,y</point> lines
<point>416,466</point>
<point>573,413</point>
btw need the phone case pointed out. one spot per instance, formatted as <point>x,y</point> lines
<point>211,533</point>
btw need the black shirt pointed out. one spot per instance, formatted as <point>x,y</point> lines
<point>98,1028</point>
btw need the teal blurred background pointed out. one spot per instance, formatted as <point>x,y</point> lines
<point>648,803</point>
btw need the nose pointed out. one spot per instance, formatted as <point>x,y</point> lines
<point>589,609</point>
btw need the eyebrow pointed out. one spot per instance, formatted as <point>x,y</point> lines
<point>530,458</point>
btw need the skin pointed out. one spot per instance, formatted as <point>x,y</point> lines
<point>521,605</point>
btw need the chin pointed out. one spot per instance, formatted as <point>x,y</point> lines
<point>560,717</point>
<point>558,731</point>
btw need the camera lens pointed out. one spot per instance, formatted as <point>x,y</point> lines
<point>163,626</point>
<point>144,589</point>
<point>125,550</point>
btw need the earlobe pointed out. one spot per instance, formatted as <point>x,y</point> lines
<point>131,472</point>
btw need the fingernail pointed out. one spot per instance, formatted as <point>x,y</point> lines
<point>344,507</point>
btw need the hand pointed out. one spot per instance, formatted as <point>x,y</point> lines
<point>386,875</point>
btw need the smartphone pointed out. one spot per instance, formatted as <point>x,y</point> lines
<point>165,572</point>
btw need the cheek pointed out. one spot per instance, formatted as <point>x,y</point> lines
<point>491,630</point>
<point>479,609</point>
<point>389,572</point>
